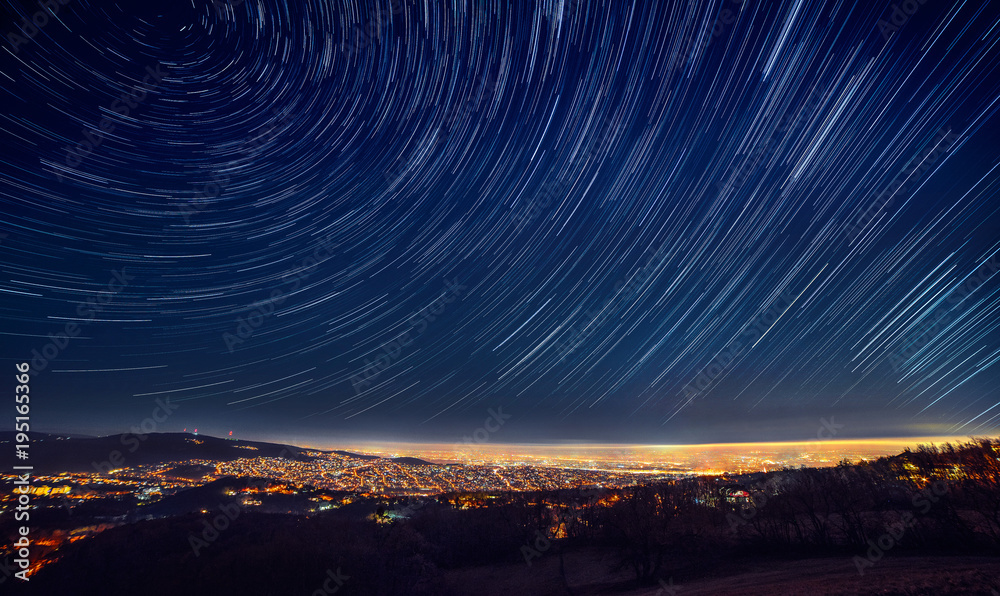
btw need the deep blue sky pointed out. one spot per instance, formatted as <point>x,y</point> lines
<point>314,220</point>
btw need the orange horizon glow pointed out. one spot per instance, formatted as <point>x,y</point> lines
<point>905,441</point>
<point>643,458</point>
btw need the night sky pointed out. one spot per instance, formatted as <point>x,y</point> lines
<point>653,222</point>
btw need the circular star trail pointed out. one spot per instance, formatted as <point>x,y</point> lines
<point>645,221</point>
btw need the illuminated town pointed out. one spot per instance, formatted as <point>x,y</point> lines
<point>90,502</point>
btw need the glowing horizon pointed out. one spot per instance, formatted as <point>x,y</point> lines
<point>566,445</point>
<point>699,458</point>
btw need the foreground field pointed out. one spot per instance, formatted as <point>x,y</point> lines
<point>589,573</point>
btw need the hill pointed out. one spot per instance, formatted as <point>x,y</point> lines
<point>53,453</point>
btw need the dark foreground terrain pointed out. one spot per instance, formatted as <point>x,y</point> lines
<point>282,555</point>
<point>922,522</point>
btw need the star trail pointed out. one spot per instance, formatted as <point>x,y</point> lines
<point>650,222</point>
